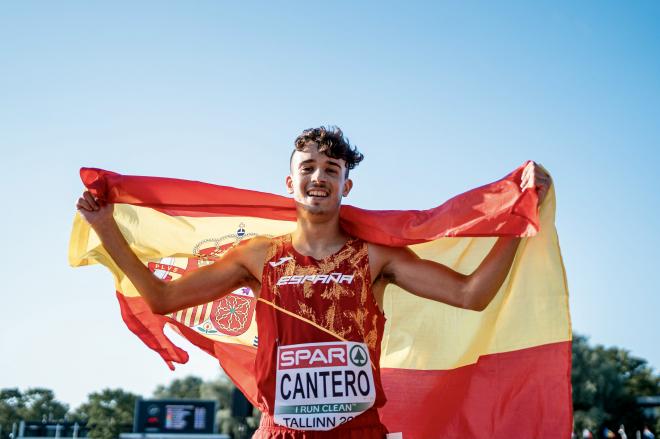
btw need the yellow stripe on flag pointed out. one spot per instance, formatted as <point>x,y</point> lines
<point>531,308</point>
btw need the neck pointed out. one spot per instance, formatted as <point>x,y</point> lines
<point>318,235</point>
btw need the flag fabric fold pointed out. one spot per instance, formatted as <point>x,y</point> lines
<point>447,372</point>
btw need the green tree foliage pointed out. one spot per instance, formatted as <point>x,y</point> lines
<point>10,403</point>
<point>606,382</point>
<point>108,413</point>
<point>219,390</point>
<point>37,404</point>
<point>40,404</point>
<point>189,387</point>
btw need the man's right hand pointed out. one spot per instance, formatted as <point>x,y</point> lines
<point>240,266</point>
<point>95,212</point>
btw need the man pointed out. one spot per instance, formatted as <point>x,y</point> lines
<point>320,295</point>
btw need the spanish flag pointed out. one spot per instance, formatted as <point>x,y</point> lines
<point>447,372</point>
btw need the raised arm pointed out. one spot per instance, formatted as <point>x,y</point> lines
<point>437,282</point>
<point>239,266</point>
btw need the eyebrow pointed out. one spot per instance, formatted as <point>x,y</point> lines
<point>308,161</point>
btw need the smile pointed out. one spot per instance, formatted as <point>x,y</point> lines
<point>317,193</point>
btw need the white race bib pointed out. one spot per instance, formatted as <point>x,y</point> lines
<point>322,385</point>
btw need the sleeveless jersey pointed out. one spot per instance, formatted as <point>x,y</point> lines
<point>320,303</point>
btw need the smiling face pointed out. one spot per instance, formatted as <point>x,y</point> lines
<point>317,182</point>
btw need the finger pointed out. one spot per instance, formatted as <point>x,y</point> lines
<point>526,180</point>
<point>531,171</point>
<point>91,200</point>
<point>82,204</point>
<point>524,176</point>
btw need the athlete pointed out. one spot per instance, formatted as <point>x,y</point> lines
<point>320,294</point>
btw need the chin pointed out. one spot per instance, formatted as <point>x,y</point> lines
<point>317,209</point>
<point>314,210</point>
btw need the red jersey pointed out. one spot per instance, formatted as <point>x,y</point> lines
<point>315,319</point>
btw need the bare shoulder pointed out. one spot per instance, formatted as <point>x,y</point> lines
<point>248,258</point>
<point>249,254</point>
<point>258,243</point>
<point>254,249</point>
<point>382,258</point>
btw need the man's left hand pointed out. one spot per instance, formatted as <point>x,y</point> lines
<point>535,177</point>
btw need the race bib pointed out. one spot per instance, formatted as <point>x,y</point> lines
<point>322,385</point>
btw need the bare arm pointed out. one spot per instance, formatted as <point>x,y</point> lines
<point>437,282</point>
<point>239,266</point>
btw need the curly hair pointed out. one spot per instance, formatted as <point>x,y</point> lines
<point>331,142</point>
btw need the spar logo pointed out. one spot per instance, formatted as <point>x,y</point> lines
<point>318,356</point>
<point>230,315</point>
<point>329,355</point>
<point>358,356</point>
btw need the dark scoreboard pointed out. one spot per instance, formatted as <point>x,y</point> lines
<point>174,416</point>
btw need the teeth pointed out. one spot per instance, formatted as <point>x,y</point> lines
<point>317,193</point>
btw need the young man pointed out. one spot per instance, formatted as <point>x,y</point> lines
<point>320,295</point>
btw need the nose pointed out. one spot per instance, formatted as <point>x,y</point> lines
<point>318,176</point>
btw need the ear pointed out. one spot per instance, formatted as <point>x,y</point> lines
<point>348,185</point>
<point>289,184</point>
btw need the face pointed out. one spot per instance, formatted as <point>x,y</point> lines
<point>317,182</point>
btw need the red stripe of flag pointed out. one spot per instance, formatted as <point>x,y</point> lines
<point>496,209</point>
<point>502,396</point>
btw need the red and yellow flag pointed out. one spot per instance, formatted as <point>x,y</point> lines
<point>447,372</point>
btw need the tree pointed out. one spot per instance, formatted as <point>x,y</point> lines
<point>108,413</point>
<point>189,387</point>
<point>36,404</point>
<point>606,382</point>
<point>219,390</point>
<point>11,401</point>
<point>41,405</point>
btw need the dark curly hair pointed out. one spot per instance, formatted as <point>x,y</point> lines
<point>331,142</point>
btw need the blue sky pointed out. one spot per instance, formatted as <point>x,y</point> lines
<point>439,97</point>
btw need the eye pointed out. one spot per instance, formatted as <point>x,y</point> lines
<point>332,171</point>
<point>306,169</point>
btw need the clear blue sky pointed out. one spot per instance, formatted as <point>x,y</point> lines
<point>440,98</point>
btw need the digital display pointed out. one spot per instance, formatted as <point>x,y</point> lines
<point>174,416</point>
